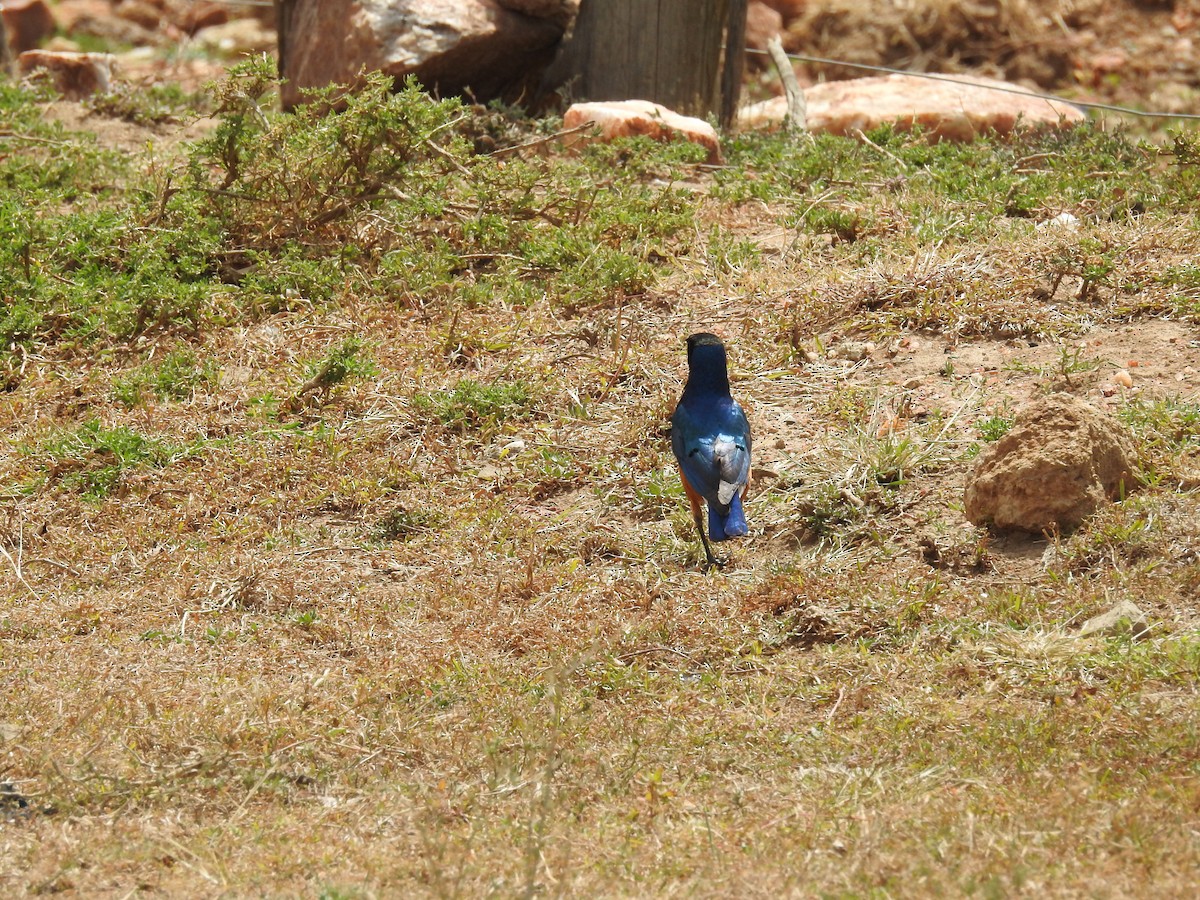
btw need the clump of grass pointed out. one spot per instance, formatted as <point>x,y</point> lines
<point>1168,433</point>
<point>154,104</point>
<point>1068,370</point>
<point>402,523</point>
<point>859,474</point>
<point>658,495</point>
<point>1119,536</point>
<point>993,428</point>
<point>310,177</point>
<point>177,377</point>
<point>383,184</point>
<point>547,471</point>
<point>471,406</point>
<point>1168,422</point>
<point>342,362</point>
<point>93,458</point>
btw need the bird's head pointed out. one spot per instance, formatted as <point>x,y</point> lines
<point>702,339</point>
<point>707,369</point>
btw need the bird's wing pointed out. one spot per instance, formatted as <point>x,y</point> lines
<point>692,444</point>
<point>713,451</point>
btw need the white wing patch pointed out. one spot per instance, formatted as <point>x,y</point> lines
<point>731,460</point>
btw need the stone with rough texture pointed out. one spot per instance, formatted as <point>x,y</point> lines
<point>140,12</point>
<point>788,9</point>
<point>202,15</point>
<point>1062,459</point>
<point>449,45</point>
<point>97,19</point>
<point>626,118</point>
<point>76,75</point>
<point>558,11</point>
<point>1124,618</point>
<point>28,22</point>
<point>236,36</point>
<point>956,111</point>
<point>70,14</point>
<point>762,24</point>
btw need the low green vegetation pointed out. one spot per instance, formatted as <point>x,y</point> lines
<point>471,406</point>
<point>178,376</point>
<point>93,459</point>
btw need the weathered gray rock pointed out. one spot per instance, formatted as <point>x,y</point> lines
<point>1124,618</point>
<point>449,45</point>
<point>957,111</point>
<point>1062,459</point>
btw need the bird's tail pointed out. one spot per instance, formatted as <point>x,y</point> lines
<point>731,523</point>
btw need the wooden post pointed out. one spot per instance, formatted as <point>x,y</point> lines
<point>5,56</point>
<point>684,54</point>
<point>283,28</point>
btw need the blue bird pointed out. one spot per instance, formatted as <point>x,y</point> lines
<point>711,440</point>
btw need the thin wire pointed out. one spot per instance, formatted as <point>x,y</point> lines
<point>991,87</point>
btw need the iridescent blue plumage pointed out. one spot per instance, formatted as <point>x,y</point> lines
<point>711,440</point>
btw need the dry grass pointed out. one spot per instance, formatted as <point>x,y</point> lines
<point>344,647</point>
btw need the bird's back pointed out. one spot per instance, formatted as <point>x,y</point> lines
<point>711,440</point>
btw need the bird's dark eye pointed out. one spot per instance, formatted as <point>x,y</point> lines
<point>695,450</point>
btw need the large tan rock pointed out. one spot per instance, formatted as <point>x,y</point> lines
<point>237,36</point>
<point>762,24</point>
<point>1060,462</point>
<point>69,14</point>
<point>957,111</point>
<point>788,9</point>
<point>140,12</point>
<point>627,118</point>
<point>449,45</point>
<point>28,22</point>
<point>98,19</point>
<point>196,16</point>
<point>1124,618</point>
<point>75,75</point>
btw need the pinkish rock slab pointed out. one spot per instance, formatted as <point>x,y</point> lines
<point>956,111</point>
<point>28,23</point>
<point>627,118</point>
<point>76,75</point>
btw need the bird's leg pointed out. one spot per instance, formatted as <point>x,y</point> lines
<point>713,561</point>
<point>697,503</point>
